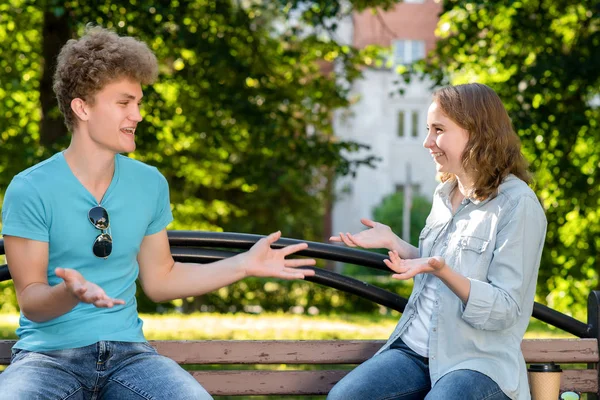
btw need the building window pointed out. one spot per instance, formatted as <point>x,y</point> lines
<point>415,124</point>
<point>408,51</point>
<point>401,123</point>
<point>408,124</point>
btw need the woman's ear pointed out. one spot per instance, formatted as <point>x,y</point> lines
<point>80,108</point>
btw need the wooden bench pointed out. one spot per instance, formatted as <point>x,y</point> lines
<point>238,368</point>
<point>229,361</point>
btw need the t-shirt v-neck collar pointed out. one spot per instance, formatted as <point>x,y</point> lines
<point>92,198</point>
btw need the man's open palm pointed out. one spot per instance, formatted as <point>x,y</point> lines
<point>262,260</point>
<point>86,292</point>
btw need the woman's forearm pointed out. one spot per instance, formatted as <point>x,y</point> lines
<point>405,250</point>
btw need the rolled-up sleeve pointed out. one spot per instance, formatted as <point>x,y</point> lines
<point>512,274</point>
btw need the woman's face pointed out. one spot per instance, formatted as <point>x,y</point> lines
<point>446,141</point>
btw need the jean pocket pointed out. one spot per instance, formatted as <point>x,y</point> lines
<point>148,346</point>
<point>18,354</point>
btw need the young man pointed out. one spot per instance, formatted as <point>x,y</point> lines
<point>80,227</point>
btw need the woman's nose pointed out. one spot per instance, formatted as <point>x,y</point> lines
<point>429,141</point>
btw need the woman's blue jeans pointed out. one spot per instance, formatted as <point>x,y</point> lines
<point>400,373</point>
<point>105,370</point>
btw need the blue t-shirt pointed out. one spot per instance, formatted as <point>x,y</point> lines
<point>48,203</point>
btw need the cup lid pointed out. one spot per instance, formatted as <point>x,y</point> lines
<point>551,367</point>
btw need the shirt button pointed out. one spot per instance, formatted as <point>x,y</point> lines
<point>432,357</point>
<point>435,329</point>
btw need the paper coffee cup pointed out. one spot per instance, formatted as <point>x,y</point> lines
<point>544,381</point>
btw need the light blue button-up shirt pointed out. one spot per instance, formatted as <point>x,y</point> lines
<point>497,244</point>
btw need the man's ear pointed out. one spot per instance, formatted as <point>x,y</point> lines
<point>80,108</point>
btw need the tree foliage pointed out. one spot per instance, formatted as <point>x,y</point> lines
<point>390,212</point>
<point>542,58</point>
<point>239,121</point>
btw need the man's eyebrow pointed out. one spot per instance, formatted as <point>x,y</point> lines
<point>129,96</point>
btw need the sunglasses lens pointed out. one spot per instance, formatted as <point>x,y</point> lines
<point>98,217</point>
<point>569,396</point>
<point>102,246</point>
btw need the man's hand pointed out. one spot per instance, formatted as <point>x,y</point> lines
<point>406,269</point>
<point>86,292</point>
<point>262,260</point>
<point>379,236</point>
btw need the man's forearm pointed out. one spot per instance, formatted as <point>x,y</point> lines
<point>190,279</point>
<point>40,302</point>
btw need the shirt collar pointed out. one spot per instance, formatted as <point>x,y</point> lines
<point>449,185</point>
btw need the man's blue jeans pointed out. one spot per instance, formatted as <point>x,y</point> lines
<point>400,373</point>
<point>105,370</point>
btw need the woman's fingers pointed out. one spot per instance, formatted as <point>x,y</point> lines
<point>346,240</point>
<point>367,222</point>
<point>403,276</point>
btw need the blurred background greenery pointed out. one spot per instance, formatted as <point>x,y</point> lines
<point>240,119</point>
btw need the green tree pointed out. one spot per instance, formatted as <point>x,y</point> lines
<point>240,119</point>
<point>542,58</point>
<point>391,212</point>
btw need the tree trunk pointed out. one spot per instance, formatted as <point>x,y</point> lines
<point>56,31</point>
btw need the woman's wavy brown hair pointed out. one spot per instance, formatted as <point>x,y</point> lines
<point>493,150</point>
<point>100,57</point>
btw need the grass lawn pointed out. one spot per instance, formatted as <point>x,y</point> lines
<point>271,326</point>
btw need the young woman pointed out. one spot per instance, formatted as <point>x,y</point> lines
<point>475,268</point>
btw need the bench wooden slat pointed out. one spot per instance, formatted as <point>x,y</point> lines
<point>560,350</point>
<point>233,383</point>
<point>263,382</point>
<point>331,351</point>
<point>344,352</point>
<point>585,381</point>
<point>269,351</point>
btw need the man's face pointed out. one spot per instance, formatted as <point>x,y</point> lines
<point>114,116</point>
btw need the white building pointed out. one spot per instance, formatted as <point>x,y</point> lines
<point>393,126</point>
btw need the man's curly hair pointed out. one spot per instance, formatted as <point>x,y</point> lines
<point>100,57</point>
<point>493,150</point>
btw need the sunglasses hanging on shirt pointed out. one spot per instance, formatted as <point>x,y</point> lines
<point>98,217</point>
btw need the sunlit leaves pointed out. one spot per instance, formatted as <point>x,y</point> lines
<point>542,58</point>
<point>240,120</point>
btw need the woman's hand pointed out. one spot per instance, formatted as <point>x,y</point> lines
<point>262,260</point>
<point>406,269</point>
<point>379,236</point>
<point>85,291</point>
